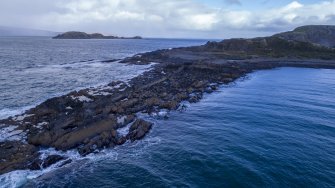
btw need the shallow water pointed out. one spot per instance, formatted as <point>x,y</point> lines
<point>274,129</point>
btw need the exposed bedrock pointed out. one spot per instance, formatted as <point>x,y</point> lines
<point>89,120</point>
<point>15,155</point>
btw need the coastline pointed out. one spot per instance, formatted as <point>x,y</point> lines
<point>90,120</point>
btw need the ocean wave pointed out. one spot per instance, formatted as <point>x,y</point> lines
<point>19,178</point>
<point>8,112</point>
<point>130,71</point>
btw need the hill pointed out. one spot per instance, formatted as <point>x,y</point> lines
<point>274,47</point>
<point>318,34</point>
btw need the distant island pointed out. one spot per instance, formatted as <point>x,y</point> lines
<point>83,35</point>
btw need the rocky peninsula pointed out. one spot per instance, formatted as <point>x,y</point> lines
<point>82,35</point>
<point>90,120</point>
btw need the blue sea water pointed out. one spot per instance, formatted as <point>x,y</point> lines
<point>275,128</point>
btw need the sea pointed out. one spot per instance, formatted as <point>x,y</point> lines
<point>272,128</point>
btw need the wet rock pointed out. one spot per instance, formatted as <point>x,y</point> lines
<point>181,96</point>
<point>170,105</point>
<point>65,162</point>
<point>209,90</point>
<point>52,159</point>
<point>39,164</point>
<point>15,155</point>
<point>154,101</point>
<point>76,137</point>
<point>199,84</point>
<point>105,139</point>
<point>125,120</point>
<point>40,139</point>
<point>195,97</point>
<point>138,129</point>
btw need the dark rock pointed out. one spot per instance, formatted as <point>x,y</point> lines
<point>195,97</point>
<point>138,129</point>
<point>65,162</point>
<point>154,101</point>
<point>15,155</point>
<point>170,105</point>
<point>121,140</point>
<point>52,159</point>
<point>39,164</point>
<point>125,120</point>
<point>105,139</point>
<point>76,137</point>
<point>40,139</point>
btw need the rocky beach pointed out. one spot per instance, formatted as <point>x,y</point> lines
<point>92,119</point>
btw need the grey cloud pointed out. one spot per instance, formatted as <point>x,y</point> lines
<point>156,18</point>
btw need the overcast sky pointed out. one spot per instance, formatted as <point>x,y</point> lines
<point>168,18</point>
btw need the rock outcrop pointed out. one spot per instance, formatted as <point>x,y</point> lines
<point>138,130</point>
<point>16,155</point>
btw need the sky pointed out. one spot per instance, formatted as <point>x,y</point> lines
<point>215,19</point>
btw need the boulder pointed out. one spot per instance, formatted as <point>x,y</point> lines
<point>138,129</point>
<point>39,164</point>
<point>170,105</point>
<point>15,155</point>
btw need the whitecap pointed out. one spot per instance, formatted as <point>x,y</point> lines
<point>124,130</point>
<point>10,133</point>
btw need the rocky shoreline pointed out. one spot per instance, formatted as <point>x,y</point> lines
<point>90,120</point>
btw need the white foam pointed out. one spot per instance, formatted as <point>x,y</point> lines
<point>41,124</point>
<point>184,105</point>
<point>163,113</point>
<point>60,67</point>
<point>124,130</point>
<point>122,89</point>
<point>118,85</point>
<point>101,90</point>
<point>120,120</point>
<point>81,98</point>
<point>19,177</point>
<point>127,72</point>
<point>22,117</point>
<point>97,92</point>
<point>6,112</point>
<point>11,134</point>
<point>14,179</point>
